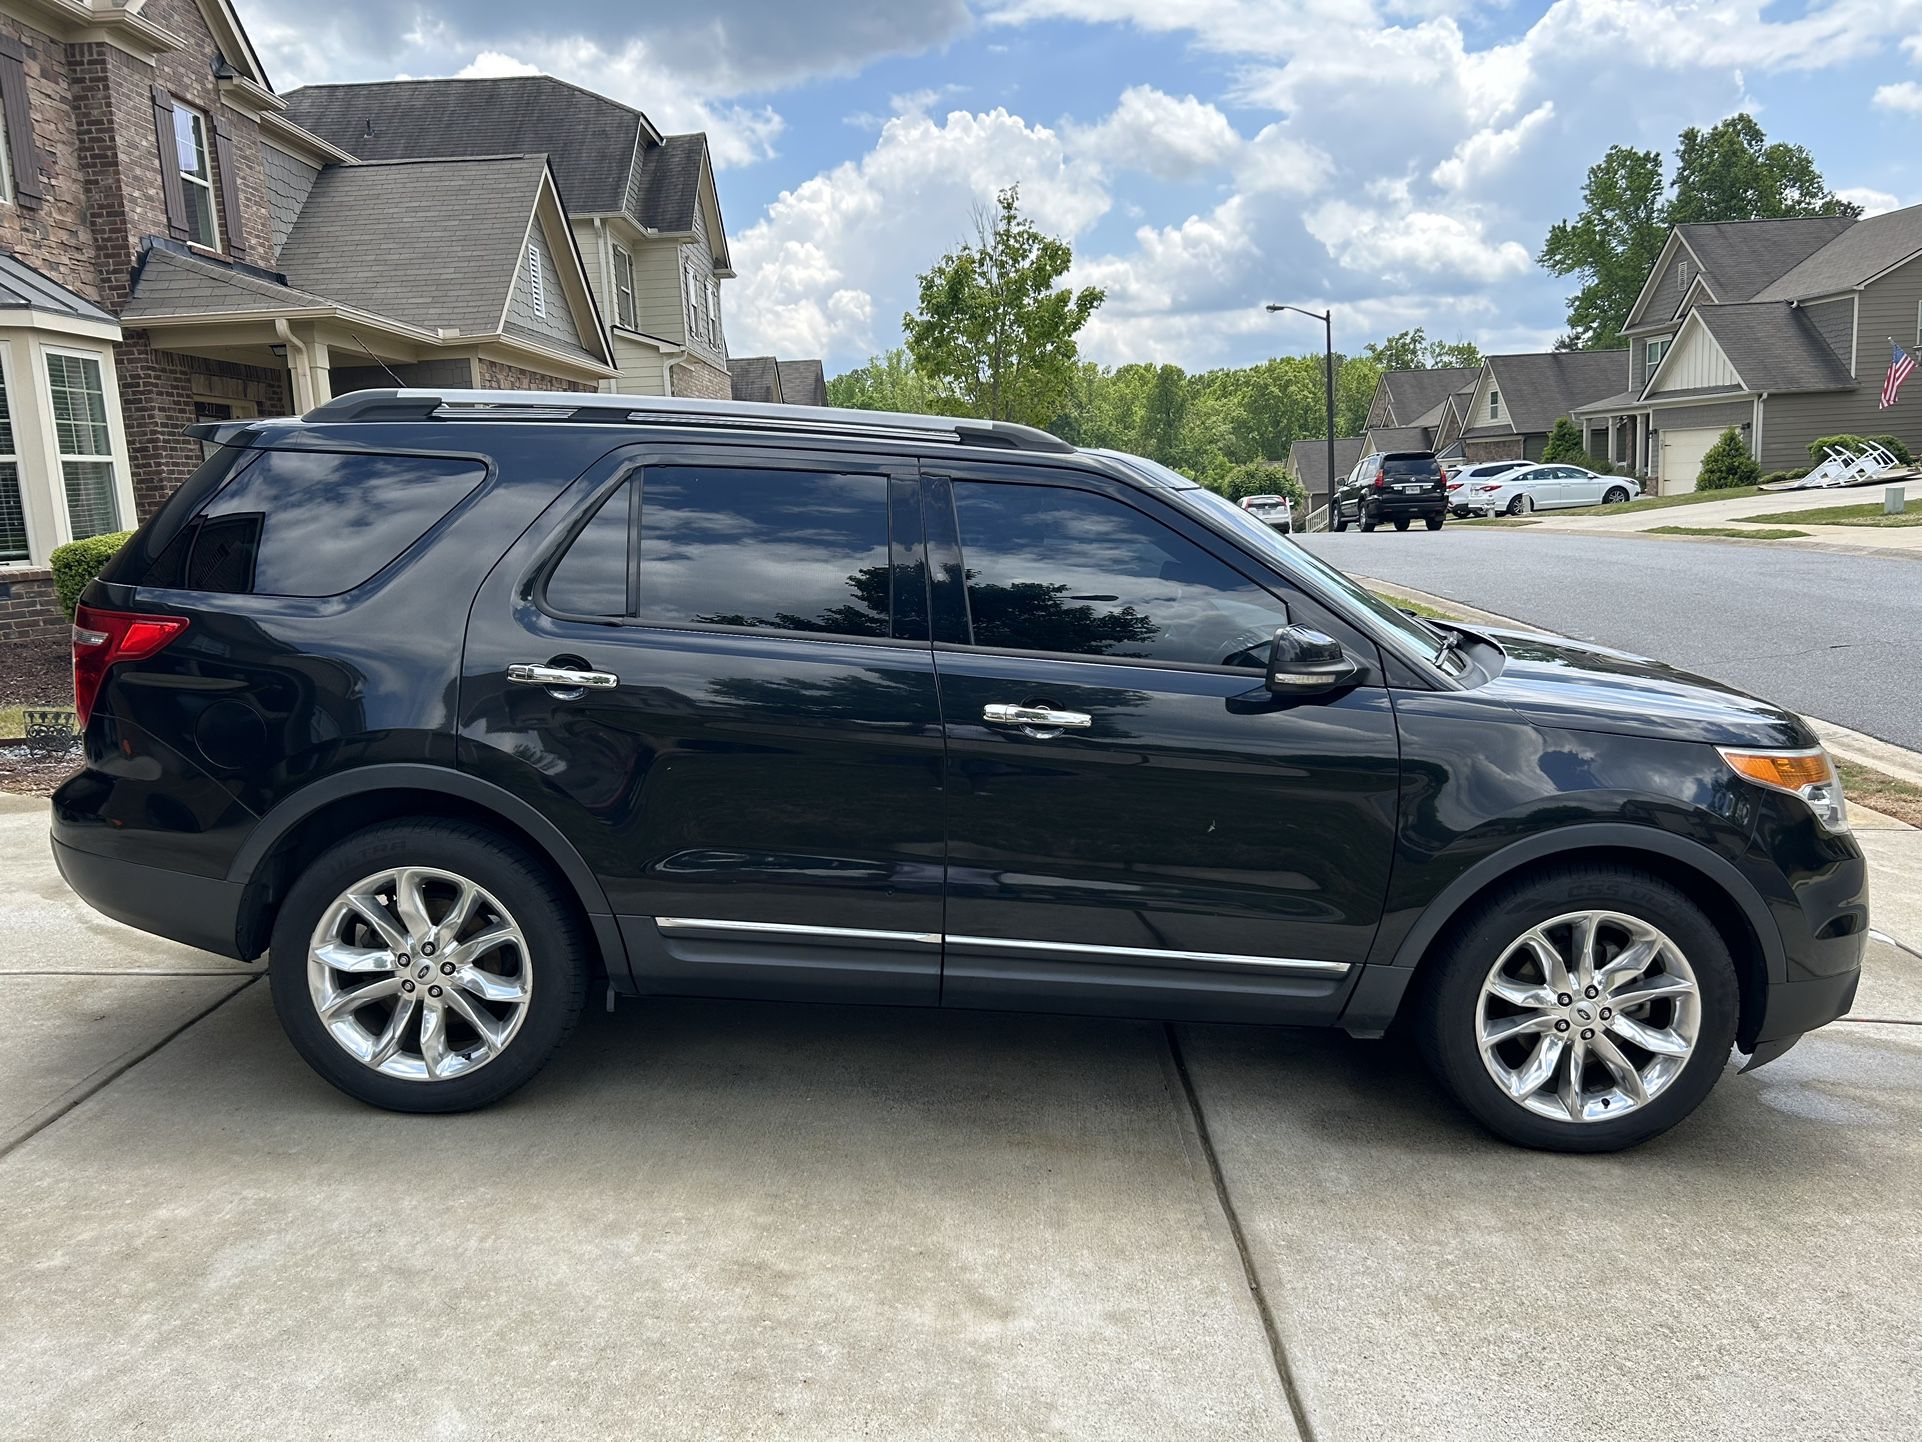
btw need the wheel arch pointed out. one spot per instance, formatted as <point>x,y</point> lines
<point>1726,897</point>
<point>316,816</point>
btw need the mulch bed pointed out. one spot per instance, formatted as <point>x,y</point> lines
<point>36,673</point>
<point>29,772</point>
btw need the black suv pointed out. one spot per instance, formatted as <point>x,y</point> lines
<point>1395,486</point>
<point>460,705</point>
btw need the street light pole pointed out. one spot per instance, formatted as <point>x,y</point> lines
<point>1328,324</point>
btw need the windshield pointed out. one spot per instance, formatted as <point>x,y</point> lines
<point>1414,632</point>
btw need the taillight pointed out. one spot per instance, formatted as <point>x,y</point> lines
<point>1454,485</point>
<point>1381,479</point>
<point>101,638</point>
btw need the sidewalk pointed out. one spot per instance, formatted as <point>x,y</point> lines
<point>1864,540</point>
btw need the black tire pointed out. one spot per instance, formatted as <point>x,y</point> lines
<point>1519,505</point>
<point>1448,996</point>
<point>1368,522</point>
<point>1339,522</point>
<point>557,954</point>
<point>1615,496</point>
<point>1401,523</point>
<point>1435,522</point>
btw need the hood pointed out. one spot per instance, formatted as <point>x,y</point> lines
<point>1582,687</point>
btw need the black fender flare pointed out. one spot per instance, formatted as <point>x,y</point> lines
<point>1618,836</point>
<point>408,776</point>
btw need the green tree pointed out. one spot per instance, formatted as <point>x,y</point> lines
<point>994,328</point>
<point>1259,478</point>
<point>1412,350</point>
<point>1728,464</point>
<point>888,382</point>
<point>1564,444</point>
<point>1731,171</point>
<point>1611,245</point>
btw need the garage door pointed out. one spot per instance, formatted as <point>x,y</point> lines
<point>1682,453</point>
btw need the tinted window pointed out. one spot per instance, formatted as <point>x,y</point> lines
<point>1411,466</point>
<point>311,523</point>
<point>1069,572</point>
<point>792,550</point>
<point>591,579</point>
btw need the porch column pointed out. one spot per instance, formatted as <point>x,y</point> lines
<point>321,371</point>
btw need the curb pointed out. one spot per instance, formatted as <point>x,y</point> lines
<point>1849,745</point>
<point>1546,527</point>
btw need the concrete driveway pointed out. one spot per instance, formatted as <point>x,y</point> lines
<point>721,1221</point>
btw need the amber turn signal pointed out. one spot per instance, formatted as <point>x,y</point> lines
<point>1791,770</point>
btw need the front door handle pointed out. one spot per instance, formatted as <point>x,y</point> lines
<point>561,678</point>
<point>1044,718</point>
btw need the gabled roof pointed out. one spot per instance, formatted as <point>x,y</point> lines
<point>1740,257</point>
<point>592,140</point>
<point>1400,438</point>
<point>1413,393</point>
<point>1537,390</point>
<point>1774,347</point>
<point>755,377</point>
<point>1309,460</point>
<point>803,383</point>
<point>667,183</point>
<point>433,243</point>
<point>1855,256</point>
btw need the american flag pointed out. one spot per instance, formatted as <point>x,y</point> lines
<point>1900,369</point>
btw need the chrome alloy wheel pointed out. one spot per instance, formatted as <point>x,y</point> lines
<point>419,974</point>
<point>1588,1017</point>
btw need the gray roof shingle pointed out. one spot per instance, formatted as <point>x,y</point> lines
<point>1539,389</point>
<point>1309,460</point>
<point>434,243</point>
<point>592,139</point>
<point>1401,438</point>
<point>803,383</point>
<point>24,288</point>
<point>1775,347</point>
<point>1743,256</point>
<point>1865,248</point>
<point>668,183</point>
<point>171,284</point>
<point>755,377</point>
<point>1413,393</point>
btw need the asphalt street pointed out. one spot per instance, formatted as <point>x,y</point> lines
<point>1835,636</point>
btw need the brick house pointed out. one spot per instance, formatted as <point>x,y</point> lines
<point>173,247</point>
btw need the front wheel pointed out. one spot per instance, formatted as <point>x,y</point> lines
<point>1584,1010</point>
<point>1616,496</point>
<point>1435,522</point>
<point>427,966</point>
<point>1339,521</point>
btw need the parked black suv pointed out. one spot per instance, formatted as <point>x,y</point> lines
<point>1395,486</point>
<point>457,705</point>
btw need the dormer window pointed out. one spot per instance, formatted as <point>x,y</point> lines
<point>624,312</point>
<point>1494,404</point>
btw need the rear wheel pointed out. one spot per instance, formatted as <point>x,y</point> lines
<point>427,966</point>
<point>1585,1010</point>
<point>1368,522</point>
<point>1617,495</point>
<point>1435,522</point>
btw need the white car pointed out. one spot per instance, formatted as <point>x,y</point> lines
<point>1517,491</point>
<point>1275,510</point>
<point>1463,474</point>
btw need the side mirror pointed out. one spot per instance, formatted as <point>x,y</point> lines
<point>1304,662</point>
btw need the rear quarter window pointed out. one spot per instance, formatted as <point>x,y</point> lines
<point>310,523</point>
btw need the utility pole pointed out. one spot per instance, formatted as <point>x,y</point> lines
<point>1328,324</point>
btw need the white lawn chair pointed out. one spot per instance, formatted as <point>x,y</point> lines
<point>1839,462</point>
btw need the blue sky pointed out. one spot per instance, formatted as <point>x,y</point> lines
<point>1400,160</point>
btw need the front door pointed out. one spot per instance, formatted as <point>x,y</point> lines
<point>737,726</point>
<point>1134,824</point>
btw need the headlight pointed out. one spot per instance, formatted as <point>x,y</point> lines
<point>1807,774</point>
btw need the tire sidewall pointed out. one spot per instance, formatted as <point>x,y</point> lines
<point>1450,1025</point>
<point>555,955</point>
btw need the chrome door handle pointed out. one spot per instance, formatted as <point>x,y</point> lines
<point>1042,717</point>
<point>562,678</point>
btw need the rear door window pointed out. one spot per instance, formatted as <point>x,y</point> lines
<point>311,523</point>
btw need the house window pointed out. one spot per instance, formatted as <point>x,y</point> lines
<point>13,506</point>
<point>696,300</point>
<point>196,176</point>
<point>6,162</point>
<point>536,283</point>
<point>624,289</point>
<point>85,445</point>
<point>1656,350</point>
<point>1494,405</point>
<point>714,312</point>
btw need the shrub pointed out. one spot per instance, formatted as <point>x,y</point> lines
<point>1564,444</point>
<point>1259,478</point>
<point>78,562</point>
<point>1775,476</point>
<point>1728,464</point>
<point>1819,447</point>
<point>1600,465</point>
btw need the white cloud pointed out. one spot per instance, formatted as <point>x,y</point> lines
<point>1275,161</point>
<point>813,267</point>
<point>1872,201</point>
<point>1491,151</point>
<point>1394,245</point>
<point>1152,131</point>
<point>1904,96</point>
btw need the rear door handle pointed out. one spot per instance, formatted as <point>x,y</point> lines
<point>561,678</point>
<point>1041,717</point>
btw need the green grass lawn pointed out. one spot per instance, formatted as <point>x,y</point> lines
<point>1869,515</point>
<point>1662,503</point>
<point>1408,603</point>
<point>1756,534</point>
<point>13,719</point>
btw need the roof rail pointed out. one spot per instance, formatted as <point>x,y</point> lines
<point>421,405</point>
